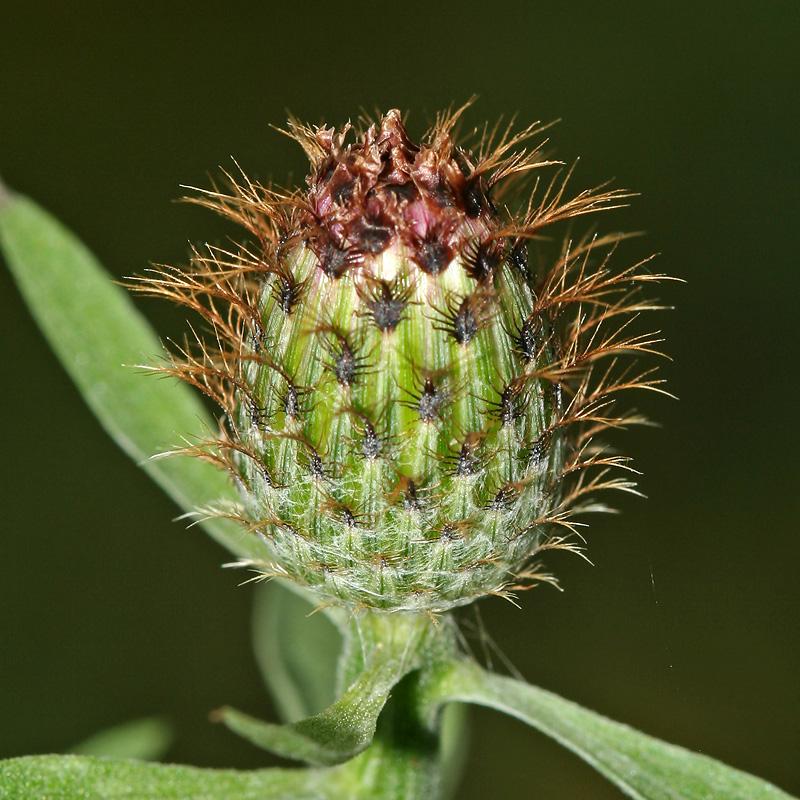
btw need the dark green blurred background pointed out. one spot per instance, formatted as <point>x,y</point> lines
<point>687,625</point>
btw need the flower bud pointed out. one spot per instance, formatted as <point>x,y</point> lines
<point>405,396</point>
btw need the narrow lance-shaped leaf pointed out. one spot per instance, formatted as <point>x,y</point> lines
<point>296,650</point>
<point>100,779</point>
<point>641,766</point>
<point>341,731</point>
<point>379,651</point>
<point>98,334</point>
<point>145,739</point>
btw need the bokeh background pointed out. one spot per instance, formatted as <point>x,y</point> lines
<point>687,624</point>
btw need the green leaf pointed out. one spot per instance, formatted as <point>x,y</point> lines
<point>67,777</point>
<point>641,766</point>
<point>454,752</point>
<point>98,334</point>
<point>297,651</point>
<point>338,733</point>
<point>380,650</point>
<point>144,739</point>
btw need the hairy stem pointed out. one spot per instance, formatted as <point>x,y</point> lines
<point>411,756</point>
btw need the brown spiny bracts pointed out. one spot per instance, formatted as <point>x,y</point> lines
<point>411,405</point>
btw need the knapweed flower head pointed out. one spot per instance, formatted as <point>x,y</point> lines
<point>411,404</point>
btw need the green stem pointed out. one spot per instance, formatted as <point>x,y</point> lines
<point>410,640</point>
<point>410,757</point>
